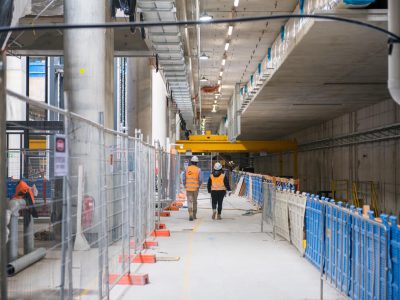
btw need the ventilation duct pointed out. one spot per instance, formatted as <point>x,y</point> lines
<point>167,43</point>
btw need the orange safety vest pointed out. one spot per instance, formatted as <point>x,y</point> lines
<point>22,189</point>
<point>192,178</point>
<point>217,183</point>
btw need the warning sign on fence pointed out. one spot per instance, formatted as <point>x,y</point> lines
<point>60,156</point>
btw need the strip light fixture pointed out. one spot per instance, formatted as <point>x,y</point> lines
<point>230,30</point>
<point>236,3</point>
<point>227,46</point>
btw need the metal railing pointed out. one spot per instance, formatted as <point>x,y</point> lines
<point>101,197</point>
<point>357,254</point>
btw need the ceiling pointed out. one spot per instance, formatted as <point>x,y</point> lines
<point>248,46</point>
<point>334,69</point>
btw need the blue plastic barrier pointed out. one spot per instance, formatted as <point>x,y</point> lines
<point>394,254</point>
<point>313,222</point>
<point>356,256</point>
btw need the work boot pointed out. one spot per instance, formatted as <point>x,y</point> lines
<point>190,218</point>
<point>213,215</point>
<point>219,217</point>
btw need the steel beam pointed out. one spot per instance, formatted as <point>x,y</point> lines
<point>207,144</point>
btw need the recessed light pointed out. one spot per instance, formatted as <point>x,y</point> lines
<point>236,3</point>
<point>204,56</point>
<point>205,17</point>
<point>230,30</point>
<point>223,62</point>
<point>221,73</point>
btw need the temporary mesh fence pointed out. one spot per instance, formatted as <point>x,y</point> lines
<point>356,252</point>
<point>81,206</point>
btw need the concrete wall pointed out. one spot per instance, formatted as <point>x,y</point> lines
<point>378,161</point>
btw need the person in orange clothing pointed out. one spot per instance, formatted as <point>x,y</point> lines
<point>23,192</point>
<point>192,181</point>
<point>217,185</point>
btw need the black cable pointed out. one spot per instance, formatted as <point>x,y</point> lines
<point>391,35</point>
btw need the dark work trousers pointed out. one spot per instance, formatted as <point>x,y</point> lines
<point>217,197</point>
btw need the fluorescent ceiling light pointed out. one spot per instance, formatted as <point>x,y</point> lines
<point>230,30</point>
<point>223,62</point>
<point>226,46</point>
<point>214,109</point>
<point>236,3</point>
<point>203,79</point>
<point>219,82</point>
<point>205,17</point>
<point>217,94</point>
<point>204,56</point>
<point>221,73</point>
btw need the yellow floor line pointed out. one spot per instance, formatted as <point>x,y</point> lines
<point>186,273</point>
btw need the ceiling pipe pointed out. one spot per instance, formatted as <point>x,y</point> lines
<point>198,54</point>
<point>394,55</point>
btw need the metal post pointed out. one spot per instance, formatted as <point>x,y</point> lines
<point>159,187</point>
<point>3,176</point>
<point>263,212</point>
<point>29,243</point>
<point>68,201</point>
<point>13,238</point>
<point>322,251</point>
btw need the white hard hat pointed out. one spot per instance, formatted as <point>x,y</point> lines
<point>217,166</point>
<point>194,159</point>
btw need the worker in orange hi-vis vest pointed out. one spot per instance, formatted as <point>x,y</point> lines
<point>23,198</point>
<point>217,185</point>
<point>192,182</point>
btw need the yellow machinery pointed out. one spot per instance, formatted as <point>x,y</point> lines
<point>365,192</point>
<point>220,143</point>
<point>362,193</point>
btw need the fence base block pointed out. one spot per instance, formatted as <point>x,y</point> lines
<point>144,259</point>
<point>172,208</point>
<point>164,214</point>
<point>161,233</point>
<point>138,258</point>
<point>134,279</point>
<point>162,226</point>
<point>146,245</point>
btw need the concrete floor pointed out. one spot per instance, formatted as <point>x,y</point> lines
<point>227,259</point>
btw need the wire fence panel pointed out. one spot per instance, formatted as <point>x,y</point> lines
<point>79,208</point>
<point>297,207</point>
<point>281,217</point>
<point>269,195</point>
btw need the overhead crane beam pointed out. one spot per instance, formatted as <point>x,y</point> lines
<point>213,143</point>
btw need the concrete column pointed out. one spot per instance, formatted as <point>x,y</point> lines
<point>89,60</point>
<point>139,96</point>
<point>89,83</point>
